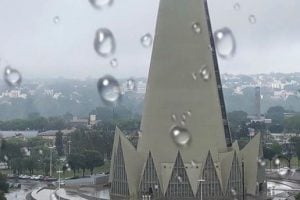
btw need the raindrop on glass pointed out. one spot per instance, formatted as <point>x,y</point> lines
<point>237,6</point>
<point>99,4</point>
<point>109,89</point>
<point>193,163</point>
<point>104,42</point>
<point>179,178</point>
<point>225,43</point>
<point>277,161</point>
<point>233,192</point>
<point>204,73</point>
<point>189,113</point>
<point>252,19</point>
<point>183,123</point>
<point>194,75</point>
<point>12,76</point>
<point>261,162</point>
<point>56,19</point>
<point>114,63</point>
<point>196,27</point>
<point>183,117</point>
<point>131,84</point>
<point>173,117</point>
<point>146,40</point>
<point>40,151</point>
<point>181,136</point>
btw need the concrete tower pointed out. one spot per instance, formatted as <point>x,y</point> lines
<point>185,149</point>
<point>257,103</point>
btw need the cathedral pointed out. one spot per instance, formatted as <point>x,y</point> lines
<point>185,150</point>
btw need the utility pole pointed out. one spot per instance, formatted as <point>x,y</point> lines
<point>243,178</point>
<point>51,149</point>
<point>69,142</point>
<point>201,181</point>
<point>59,172</point>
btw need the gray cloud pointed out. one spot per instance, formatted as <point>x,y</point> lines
<point>31,42</point>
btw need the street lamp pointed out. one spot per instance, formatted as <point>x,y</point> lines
<point>51,149</point>
<point>201,181</point>
<point>59,172</point>
<point>69,142</point>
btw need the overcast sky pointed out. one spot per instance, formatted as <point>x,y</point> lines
<point>31,42</point>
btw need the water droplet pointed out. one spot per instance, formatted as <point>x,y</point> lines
<point>261,162</point>
<point>146,40</point>
<point>252,19</point>
<point>25,151</point>
<point>193,163</point>
<point>114,63</point>
<point>12,76</point>
<point>189,113</point>
<point>40,152</point>
<point>156,187</point>
<point>109,89</point>
<point>277,161</point>
<point>225,43</point>
<point>204,73</point>
<point>179,178</point>
<point>233,192</point>
<point>131,84</point>
<point>173,117</point>
<point>104,42</point>
<point>100,4</point>
<point>196,27</point>
<point>67,165</point>
<point>194,75</point>
<point>56,19</point>
<point>183,123</point>
<point>237,6</point>
<point>183,117</point>
<point>181,136</point>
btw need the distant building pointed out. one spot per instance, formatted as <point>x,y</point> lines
<point>257,102</point>
<point>19,134</point>
<point>77,122</point>
<point>51,134</point>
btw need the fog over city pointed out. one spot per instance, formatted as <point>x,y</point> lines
<point>55,38</point>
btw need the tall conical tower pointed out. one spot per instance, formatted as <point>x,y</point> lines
<point>185,136</point>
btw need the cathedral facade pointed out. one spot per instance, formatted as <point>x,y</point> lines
<point>185,150</point>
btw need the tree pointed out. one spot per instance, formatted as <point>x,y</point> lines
<point>75,162</point>
<point>296,143</point>
<point>297,197</point>
<point>3,186</point>
<point>276,113</point>
<point>269,154</point>
<point>92,160</point>
<point>293,124</point>
<point>59,143</point>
